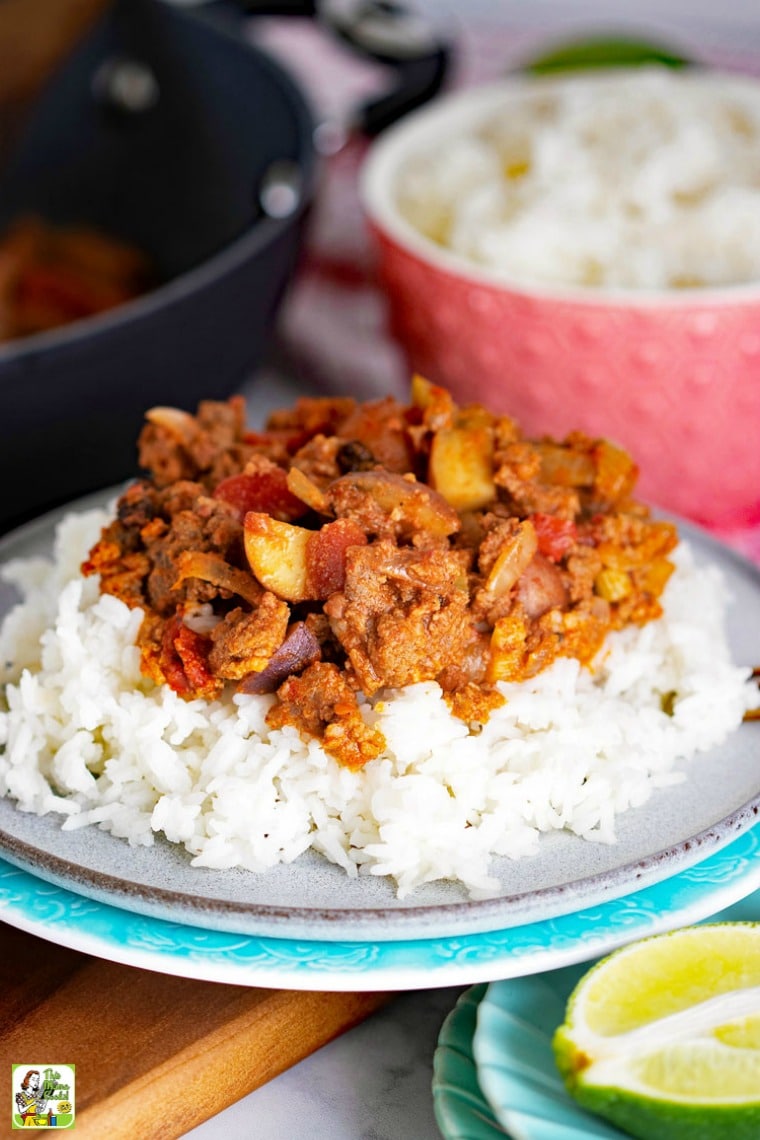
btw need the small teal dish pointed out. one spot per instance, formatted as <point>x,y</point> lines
<point>512,1048</point>
<point>461,1111</point>
<point>513,1061</point>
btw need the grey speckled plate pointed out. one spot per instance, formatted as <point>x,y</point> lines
<point>312,899</point>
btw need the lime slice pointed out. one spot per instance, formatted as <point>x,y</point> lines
<point>663,1037</point>
<point>604,52</point>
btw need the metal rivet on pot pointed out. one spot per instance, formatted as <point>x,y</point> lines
<point>125,84</point>
<point>330,136</point>
<point>280,190</point>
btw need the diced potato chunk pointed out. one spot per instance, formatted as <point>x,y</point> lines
<point>652,579</point>
<point>616,473</point>
<point>612,585</point>
<point>507,648</point>
<point>436,403</point>
<point>461,467</point>
<point>276,553</point>
<point>563,467</point>
<point>298,564</point>
<point>473,415</point>
<point>423,391</point>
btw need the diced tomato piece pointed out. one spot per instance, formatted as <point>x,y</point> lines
<point>556,536</point>
<point>184,661</point>
<point>265,492</point>
<point>326,555</point>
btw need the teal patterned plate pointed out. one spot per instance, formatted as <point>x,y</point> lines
<point>493,1071</point>
<point>106,931</point>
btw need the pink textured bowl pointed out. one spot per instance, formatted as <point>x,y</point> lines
<point>673,377</point>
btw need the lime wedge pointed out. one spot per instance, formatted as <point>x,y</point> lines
<point>662,1038</point>
<point>604,52</point>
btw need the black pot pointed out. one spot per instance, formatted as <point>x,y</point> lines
<point>162,128</point>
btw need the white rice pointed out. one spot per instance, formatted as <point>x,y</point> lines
<point>86,735</point>
<point>645,179</point>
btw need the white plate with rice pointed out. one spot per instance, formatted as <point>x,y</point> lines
<point>582,788</point>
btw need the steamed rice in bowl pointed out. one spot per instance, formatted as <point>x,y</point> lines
<point>643,179</point>
<point>89,736</point>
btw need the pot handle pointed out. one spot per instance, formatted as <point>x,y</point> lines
<point>386,32</point>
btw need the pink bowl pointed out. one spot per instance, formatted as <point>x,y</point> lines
<point>673,377</point>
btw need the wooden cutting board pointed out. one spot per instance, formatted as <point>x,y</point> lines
<point>143,1041</point>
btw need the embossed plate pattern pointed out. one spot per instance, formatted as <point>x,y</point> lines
<point>173,948</point>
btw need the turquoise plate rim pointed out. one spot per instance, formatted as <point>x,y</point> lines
<point>102,930</point>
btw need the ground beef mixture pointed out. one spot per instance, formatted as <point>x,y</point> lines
<point>347,548</point>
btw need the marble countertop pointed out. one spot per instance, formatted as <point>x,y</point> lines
<point>372,1083</point>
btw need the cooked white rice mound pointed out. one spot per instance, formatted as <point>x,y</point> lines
<point>86,735</point>
<point>642,179</point>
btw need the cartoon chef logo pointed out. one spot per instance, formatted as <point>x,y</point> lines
<point>43,1096</point>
